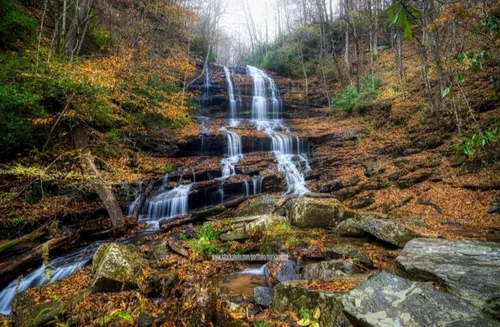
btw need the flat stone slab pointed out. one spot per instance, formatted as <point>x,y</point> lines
<point>386,230</point>
<point>388,300</point>
<point>329,269</point>
<point>468,269</point>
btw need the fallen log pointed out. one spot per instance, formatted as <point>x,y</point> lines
<point>201,214</point>
<point>103,189</point>
<point>32,258</point>
<point>25,238</point>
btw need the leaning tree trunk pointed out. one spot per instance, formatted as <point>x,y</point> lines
<point>103,189</point>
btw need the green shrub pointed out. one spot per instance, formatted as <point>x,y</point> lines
<point>167,169</point>
<point>15,23</point>
<point>346,99</point>
<point>205,240</point>
<point>476,144</point>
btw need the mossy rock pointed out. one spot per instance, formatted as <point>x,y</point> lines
<point>261,205</point>
<point>292,295</point>
<point>28,313</point>
<point>117,267</point>
<point>309,212</point>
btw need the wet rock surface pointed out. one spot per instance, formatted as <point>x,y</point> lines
<point>278,271</point>
<point>389,300</point>
<point>467,269</point>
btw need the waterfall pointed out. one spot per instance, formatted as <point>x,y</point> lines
<point>59,268</point>
<point>234,154</point>
<point>167,204</point>
<point>132,206</point>
<point>232,102</point>
<point>257,184</point>
<point>282,145</point>
<point>206,85</point>
<point>220,192</point>
<point>247,188</point>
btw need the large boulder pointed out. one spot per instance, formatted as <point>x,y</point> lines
<point>117,267</point>
<point>385,230</point>
<point>294,295</point>
<point>318,212</point>
<point>329,269</point>
<point>246,227</point>
<point>468,269</point>
<point>389,300</point>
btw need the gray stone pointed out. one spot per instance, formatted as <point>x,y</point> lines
<point>494,207</point>
<point>241,229</point>
<point>330,269</point>
<point>261,205</point>
<point>387,231</point>
<point>117,267</point>
<point>468,269</point>
<point>388,300</point>
<point>292,295</point>
<point>279,271</point>
<point>263,295</point>
<point>307,212</point>
<point>349,227</point>
<point>338,251</point>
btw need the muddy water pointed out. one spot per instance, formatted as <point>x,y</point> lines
<point>245,281</point>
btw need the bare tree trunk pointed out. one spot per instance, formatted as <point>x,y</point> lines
<point>346,55</point>
<point>103,189</point>
<point>399,63</point>
<point>77,28</point>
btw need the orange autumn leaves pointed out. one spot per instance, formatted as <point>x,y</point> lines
<point>139,81</point>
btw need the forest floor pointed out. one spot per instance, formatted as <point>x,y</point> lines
<point>393,165</point>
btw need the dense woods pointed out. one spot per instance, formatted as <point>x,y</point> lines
<point>355,142</point>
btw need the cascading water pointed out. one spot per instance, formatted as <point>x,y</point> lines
<point>232,101</point>
<point>234,154</point>
<point>168,204</point>
<point>257,184</point>
<point>282,145</point>
<point>59,268</point>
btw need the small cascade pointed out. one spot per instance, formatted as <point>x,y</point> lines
<point>166,180</point>
<point>254,271</point>
<point>168,204</point>
<point>247,188</point>
<point>234,154</point>
<point>220,192</point>
<point>257,184</point>
<point>232,101</point>
<point>132,206</point>
<point>206,85</point>
<point>59,268</point>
